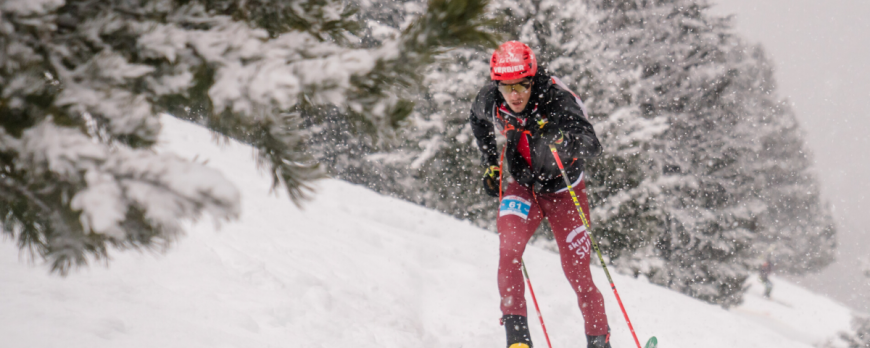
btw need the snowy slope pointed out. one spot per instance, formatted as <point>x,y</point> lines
<point>352,269</point>
<point>794,311</point>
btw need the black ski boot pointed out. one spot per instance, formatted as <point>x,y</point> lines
<point>602,341</point>
<point>517,329</point>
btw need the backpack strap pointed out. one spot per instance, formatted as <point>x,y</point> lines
<point>562,85</point>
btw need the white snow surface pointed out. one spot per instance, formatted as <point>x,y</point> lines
<point>353,269</point>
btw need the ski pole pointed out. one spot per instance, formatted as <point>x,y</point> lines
<point>594,244</point>
<point>535,300</point>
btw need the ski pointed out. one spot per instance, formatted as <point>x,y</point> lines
<point>652,343</point>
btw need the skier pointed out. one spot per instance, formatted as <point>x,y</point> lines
<point>533,110</point>
<point>764,273</point>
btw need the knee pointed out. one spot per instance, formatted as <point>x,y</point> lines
<point>510,258</point>
<point>511,251</point>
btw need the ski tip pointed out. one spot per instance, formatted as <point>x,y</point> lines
<point>652,342</point>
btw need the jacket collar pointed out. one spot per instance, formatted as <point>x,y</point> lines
<point>523,118</point>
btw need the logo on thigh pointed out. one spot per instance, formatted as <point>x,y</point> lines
<point>578,241</point>
<point>515,205</point>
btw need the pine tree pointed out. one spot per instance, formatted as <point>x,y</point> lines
<point>345,147</point>
<point>82,83</point>
<point>797,231</point>
<point>719,174</point>
<point>703,199</point>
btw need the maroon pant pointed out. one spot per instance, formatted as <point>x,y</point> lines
<point>520,213</point>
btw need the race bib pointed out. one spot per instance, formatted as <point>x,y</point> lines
<point>514,205</point>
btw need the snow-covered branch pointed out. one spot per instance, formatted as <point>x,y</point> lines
<point>82,84</point>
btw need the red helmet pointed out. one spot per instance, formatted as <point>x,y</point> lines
<point>512,60</point>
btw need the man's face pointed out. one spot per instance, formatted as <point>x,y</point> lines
<point>516,92</point>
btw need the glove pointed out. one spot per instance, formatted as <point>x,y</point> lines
<point>491,178</point>
<point>551,134</point>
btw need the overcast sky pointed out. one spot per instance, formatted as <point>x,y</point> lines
<point>822,53</point>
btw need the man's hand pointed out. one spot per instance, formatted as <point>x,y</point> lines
<point>551,134</point>
<point>491,178</point>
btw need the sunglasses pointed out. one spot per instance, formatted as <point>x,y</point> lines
<point>520,87</point>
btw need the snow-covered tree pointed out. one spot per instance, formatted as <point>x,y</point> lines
<point>797,230</point>
<point>713,179</point>
<point>348,151</point>
<point>82,83</point>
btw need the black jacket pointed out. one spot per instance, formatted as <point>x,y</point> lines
<point>550,102</point>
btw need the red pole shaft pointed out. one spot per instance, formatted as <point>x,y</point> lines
<point>624,313</point>
<point>594,244</point>
<point>535,300</point>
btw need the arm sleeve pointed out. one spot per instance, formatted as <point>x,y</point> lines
<point>569,116</point>
<point>483,129</point>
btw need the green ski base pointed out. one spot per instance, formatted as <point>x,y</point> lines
<point>652,343</point>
